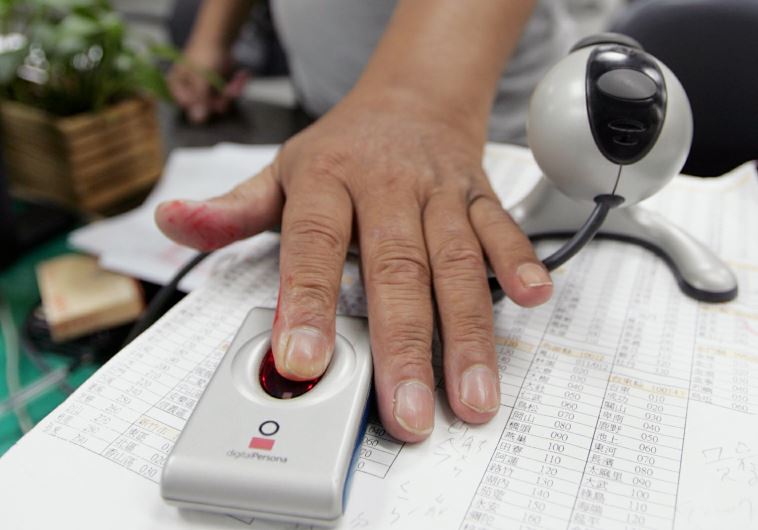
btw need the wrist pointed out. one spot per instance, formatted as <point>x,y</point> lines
<point>218,23</point>
<point>469,122</point>
<point>204,45</point>
<point>207,58</point>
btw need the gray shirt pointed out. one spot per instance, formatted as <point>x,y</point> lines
<point>329,42</point>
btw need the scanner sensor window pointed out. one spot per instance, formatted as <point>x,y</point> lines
<point>280,387</point>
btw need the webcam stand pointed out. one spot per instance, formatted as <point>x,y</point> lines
<point>546,212</point>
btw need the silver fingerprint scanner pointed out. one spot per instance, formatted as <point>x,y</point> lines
<point>246,452</point>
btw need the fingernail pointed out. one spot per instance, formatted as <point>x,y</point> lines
<point>414,407</point>
<point>533,275</point>
<point>304,352</point>
<point>480,389</point>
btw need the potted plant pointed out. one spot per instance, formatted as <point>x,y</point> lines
<point>77,114</point>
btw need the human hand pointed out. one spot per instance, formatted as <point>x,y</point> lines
<point>192,89</point>
<point>408,183</point>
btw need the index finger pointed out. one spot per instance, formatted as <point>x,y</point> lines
<point>316,227</point>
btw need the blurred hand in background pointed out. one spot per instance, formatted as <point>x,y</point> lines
<point>195,82</point>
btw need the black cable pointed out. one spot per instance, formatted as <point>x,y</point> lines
<point>603,205</point>
<point>156,307</point>
<point>590,228</point>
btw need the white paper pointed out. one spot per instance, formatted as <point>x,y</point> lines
<point>132,243</point>
<point>624,403</point>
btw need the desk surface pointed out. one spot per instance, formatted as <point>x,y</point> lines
<point>251,123</point>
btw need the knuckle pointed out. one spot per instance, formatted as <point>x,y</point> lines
<point>492,215</point>
<point>407,365</point>
<point>319,233</point>
<point>315,246</point>
<point>494,220</point>
<point>399,262</point>
<point>518,248</point>
<point>448,187</point>
<point>312,296</point>
<point>457,256</point>
<point>329,164</point>
<point>237,195</point>
<point>457,187</point>
<point>473,330</point>
<point>480,189</point>
<point>409,350</point>
<point>395,182</point>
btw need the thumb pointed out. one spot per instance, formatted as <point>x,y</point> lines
<point>250,208</point>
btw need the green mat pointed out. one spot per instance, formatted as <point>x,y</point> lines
<point>18,287</point>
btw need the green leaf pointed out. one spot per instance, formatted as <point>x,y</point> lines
<point>45,35</point>
<point>79,26</point>
<point>69,45</point>
<point>89,57</point>
<point>153,81</point>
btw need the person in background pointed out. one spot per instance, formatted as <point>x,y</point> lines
<point>250,47</point>
<point>406,93</point>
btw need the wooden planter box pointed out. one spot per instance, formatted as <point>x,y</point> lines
<point>91,162</point>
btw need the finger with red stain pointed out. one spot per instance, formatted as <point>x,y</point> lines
<point>250,208</point>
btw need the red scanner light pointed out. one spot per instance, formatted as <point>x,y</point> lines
<point>280,387</point>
